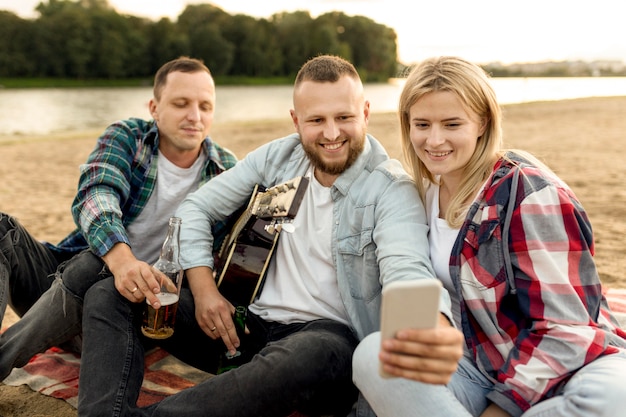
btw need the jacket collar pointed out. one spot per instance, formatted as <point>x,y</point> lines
<point>372,155</point>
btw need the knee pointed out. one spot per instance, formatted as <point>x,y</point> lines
<point>6,221</point>
<point>331,351</point>
<point>7,224</point>
<point>82,271</point>
<point>365,359</point>
<point>595,399</point>
<point>599,388</point>
<point>101,295</point>
<point>320,351</point>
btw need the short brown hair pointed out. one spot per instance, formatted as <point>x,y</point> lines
<point>182,64</point>
<point>326,68</point>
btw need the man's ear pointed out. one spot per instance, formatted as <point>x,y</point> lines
<point>152,107</point>
<point>294,118</point>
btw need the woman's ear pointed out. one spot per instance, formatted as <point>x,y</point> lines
<point>483,125</point>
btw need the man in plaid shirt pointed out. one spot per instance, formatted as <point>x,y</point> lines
<point>129,187</point>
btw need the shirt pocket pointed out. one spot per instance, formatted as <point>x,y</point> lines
<point>483,256</point>
<point>360,265</point>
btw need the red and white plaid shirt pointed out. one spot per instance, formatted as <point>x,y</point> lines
<point>530,328</point>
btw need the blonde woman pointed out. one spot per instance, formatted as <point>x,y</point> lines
<point>514,248</point>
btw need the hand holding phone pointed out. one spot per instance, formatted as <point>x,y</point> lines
<point>409,304</point>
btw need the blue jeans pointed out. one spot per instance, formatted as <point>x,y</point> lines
<point>46,289</point>
<point>305,367</point>
<point>597,390</point>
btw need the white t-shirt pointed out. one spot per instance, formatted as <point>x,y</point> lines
<point>301,282</point>
<point>147,232</point>
<point>441,238</point>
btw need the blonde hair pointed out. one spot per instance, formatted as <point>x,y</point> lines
<point>470,84</point>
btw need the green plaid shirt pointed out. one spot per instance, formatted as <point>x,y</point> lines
<point>117,180</point>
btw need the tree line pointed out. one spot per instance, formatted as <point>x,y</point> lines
<point>88,39</point>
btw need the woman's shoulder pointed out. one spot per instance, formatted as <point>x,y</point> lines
<point>516,163</point>
<point>521,173</point>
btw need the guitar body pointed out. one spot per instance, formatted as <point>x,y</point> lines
<point>248,249</point>
<point>246,262</point>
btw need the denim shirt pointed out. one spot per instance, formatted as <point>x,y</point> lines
<point>379,229</point>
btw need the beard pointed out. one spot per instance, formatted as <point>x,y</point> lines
<point>335,168</point>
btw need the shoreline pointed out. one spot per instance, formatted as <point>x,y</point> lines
<point>578,138</point>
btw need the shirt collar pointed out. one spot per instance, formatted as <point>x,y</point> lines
<point>372,155</point>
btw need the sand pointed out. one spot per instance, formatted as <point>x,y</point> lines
<point>581,140</point>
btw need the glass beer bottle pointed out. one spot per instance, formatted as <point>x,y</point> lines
<point>229,360</point>
<point>159,323</point>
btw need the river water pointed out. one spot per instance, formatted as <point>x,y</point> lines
<point>42,111</point>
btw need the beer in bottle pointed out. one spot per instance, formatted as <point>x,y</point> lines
<point>159,323</point>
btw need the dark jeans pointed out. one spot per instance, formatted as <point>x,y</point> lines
<point>305,367</point>
<point>25,267</point>
<point>45,288</point>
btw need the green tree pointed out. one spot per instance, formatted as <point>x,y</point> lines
<point>202,23</point>
<point>292,32</point>
<point>332,33</point>
<point>138,62</point>
<point>273,60</point>
<point>166,41</point>
<point>64,39</point>
<point>325,39</point>
<point>254,44</point>
<point>16,40</point>
<point>108,44</point>
<point>89,39</point>
<point>373,46</point>
<point>101,5</point>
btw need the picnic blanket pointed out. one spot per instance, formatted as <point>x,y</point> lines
<point>55,372</point>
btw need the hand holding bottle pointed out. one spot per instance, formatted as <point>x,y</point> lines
<point>233,359</point>
<point>134,279</point>
<point>159,318</point>
<point>213,312</point>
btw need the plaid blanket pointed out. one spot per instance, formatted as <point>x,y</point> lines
<point>55,372</point>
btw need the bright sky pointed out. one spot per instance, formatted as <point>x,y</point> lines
<point>479,30</point>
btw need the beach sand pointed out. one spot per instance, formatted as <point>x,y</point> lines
<point>581,140</point>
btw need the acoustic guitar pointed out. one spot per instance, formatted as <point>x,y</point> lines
<point>248,248</point>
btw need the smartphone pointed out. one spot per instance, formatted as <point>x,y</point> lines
<point>409,304</point>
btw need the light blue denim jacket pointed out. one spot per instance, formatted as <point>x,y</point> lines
<point>379,225</point>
